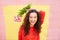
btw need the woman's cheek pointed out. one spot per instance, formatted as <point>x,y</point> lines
<point>35,20</point>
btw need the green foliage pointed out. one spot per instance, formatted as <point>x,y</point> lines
<point>24,10</point>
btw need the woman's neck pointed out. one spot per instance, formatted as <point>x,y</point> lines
<point>31,25</point>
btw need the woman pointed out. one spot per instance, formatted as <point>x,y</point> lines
<point>31,26</point>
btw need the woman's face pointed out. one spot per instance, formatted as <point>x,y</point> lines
<point>32,18</point>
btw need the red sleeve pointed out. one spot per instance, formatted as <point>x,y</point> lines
<point>20,34</point>
<point>42,14</point>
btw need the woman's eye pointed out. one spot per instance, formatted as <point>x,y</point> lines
<point>35,17</point>
<point>30,17</point>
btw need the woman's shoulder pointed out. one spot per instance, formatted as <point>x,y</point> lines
<point>21,27</point>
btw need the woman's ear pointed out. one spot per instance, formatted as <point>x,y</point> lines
<point>42,14</point>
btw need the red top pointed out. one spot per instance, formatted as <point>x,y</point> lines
<point>31,36</point>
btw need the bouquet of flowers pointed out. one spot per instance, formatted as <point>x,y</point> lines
<point>21,12</point>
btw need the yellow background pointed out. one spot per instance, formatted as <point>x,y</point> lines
<point>12,27</point>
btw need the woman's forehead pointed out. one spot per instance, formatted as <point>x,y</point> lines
<point>33,14</point>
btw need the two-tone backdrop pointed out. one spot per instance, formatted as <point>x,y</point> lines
<point>9,8</point>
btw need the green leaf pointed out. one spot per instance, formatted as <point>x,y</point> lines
<point>22,11</point>
<point>28,6</point>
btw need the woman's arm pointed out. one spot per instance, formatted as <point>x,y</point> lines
<point>42,14</point>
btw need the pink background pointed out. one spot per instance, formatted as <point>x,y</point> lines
<point>54,18</point>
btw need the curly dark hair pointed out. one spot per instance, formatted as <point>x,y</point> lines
<point>26,23</point>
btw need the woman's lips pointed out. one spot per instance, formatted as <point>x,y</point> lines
<point>33,22</point>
